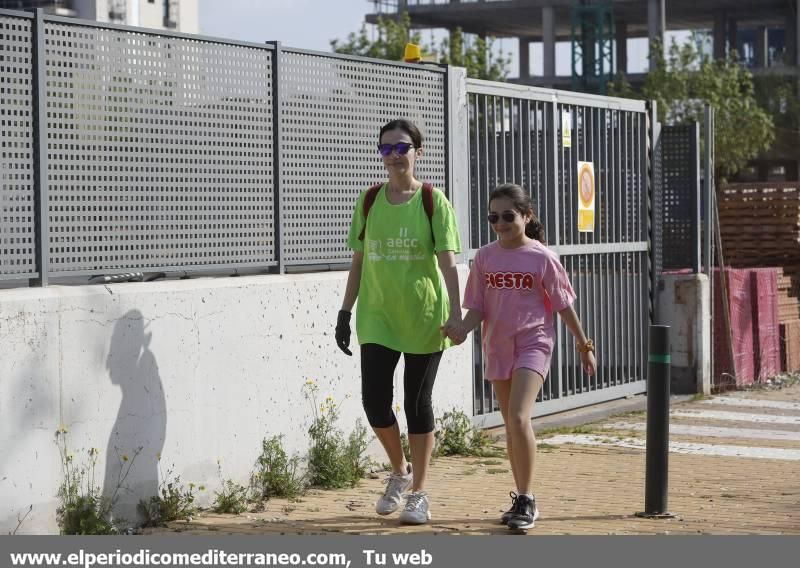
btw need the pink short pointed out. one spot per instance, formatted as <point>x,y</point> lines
<point>521,352</point>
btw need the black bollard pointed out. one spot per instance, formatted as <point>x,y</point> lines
<point>658,382</point>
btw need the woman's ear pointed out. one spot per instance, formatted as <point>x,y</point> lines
<point>418,152</point>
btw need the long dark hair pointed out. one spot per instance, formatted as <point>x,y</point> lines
<point>523,204</point>
<point>406,126</point>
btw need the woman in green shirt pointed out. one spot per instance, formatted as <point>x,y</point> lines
<point>400,232</point>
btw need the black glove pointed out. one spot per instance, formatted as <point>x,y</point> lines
<point>343,331</point>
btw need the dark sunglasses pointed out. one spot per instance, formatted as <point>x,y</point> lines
<point>402,148</point>
<point>508,217</point>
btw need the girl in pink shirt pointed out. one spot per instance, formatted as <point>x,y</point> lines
<point>514,286</point>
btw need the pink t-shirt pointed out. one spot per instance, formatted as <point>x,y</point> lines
<point>517,290</point>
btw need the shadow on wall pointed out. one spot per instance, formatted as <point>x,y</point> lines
<point>141,420</point>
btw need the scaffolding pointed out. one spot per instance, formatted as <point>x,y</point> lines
<point>592,28</point>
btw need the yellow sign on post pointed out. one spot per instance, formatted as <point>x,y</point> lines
<point>586,197</point>
<point>566,129</point>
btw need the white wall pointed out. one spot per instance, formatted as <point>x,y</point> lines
<point>198,370</point>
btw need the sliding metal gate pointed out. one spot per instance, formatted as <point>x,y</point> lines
<point>536,137</point>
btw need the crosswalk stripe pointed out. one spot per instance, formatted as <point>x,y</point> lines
<point>736,416</point>
<point>716,432</point>
<point>752,402</point>
<point>679,447</point>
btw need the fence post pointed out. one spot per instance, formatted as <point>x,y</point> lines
<point>654,208</point>
<point>657,459</point>
<point>277,161</point>
<point>41,221</point>
<point>553,140</point>
<point>708,222</point>
<point>458,154</point>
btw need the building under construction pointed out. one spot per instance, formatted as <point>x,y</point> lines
<point>763,32</point>
<point>177,15</point>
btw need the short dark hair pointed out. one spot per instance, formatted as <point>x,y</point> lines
<point>406,126</point>
<point>523,204</point>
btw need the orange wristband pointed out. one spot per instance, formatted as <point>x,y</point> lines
<point>586,347</point>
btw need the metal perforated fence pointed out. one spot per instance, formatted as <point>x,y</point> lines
<point>681,195</point>
<point>159,151</point>
<point>169,152</point>
<point>17,237</point>
<point>332,108</point>
<point>537,138</point>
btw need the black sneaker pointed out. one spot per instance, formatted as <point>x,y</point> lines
<point>524,513</point>
<point>508,514</point>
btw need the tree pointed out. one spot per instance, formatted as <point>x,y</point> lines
<point>390,44</point>
<point>479,56</point>
<point>687,79</point>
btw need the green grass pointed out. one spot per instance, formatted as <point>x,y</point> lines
<point>584,429</point>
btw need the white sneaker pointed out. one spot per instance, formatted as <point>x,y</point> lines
<point>396,485</point>
<point>416,510</point>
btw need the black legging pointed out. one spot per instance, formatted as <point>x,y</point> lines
<point>377,387</point>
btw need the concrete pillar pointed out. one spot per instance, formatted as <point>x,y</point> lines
<point>761,51</point>
<point>685,305</point>
<point>733,33</point>
<point>622,46</point>
<point>655,24</point>
<point>796,32</point>
<point>402,7</point>
<point>549,41</point>
<point>792,171</point>
<point>792,56</point>
<point>719,34</point>
<point>524,58</point>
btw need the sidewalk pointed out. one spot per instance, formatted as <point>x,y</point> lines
<point>590,489</point>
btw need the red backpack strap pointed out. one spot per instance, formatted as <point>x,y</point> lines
<point>427,203</point>
<point>369,199</point>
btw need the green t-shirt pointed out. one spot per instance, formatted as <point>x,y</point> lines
<point>402,300</point>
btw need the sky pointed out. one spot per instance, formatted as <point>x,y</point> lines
<point>305,24</point>
<point>311,24</point>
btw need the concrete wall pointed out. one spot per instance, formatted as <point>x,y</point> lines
<point>189,17</point>
<point>685,305</point>
<point>198,371</point>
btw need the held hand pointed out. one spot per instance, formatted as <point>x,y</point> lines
<point>343,331</point>
<point>454,329</point>
<point>589,363</point>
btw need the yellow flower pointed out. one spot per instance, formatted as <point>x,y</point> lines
<point>125,457</point>
<point>191,486</point>
<point>202,488</point>
<point>158,456</point>
<point>93,451</point>
<point>397,408</point>
<point>309,382</point>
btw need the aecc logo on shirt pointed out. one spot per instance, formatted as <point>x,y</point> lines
<point>509,280</point>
